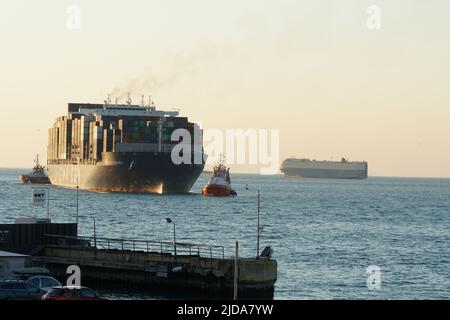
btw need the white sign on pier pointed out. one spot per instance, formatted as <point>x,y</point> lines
<point>40,196</point>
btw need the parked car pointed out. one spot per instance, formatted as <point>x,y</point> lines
<point>44,283</point>
<point>71,293</point>
<point>19,290</point>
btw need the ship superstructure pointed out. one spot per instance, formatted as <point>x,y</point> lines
<point>121,148</point>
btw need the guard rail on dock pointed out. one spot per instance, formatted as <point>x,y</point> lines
<point>158,247</point>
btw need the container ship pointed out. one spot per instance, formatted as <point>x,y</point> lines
<point>121,148</point>
<point>305,168</point>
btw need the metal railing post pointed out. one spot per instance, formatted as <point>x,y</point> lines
<point>236,272</point>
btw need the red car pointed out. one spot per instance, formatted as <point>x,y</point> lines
<point>71,293</point>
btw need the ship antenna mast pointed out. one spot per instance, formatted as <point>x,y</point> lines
<point>129,99</point>
<point>221,160</point>
<point>142,101</point>
<point>151,104</point>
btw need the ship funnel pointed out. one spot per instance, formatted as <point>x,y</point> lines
<point>107,102</point>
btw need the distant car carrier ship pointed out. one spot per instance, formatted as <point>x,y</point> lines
<point>306,168</point>
<point>120,148</point>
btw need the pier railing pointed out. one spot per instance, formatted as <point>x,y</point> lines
<point>181,249</point>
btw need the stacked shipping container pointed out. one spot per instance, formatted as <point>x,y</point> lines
<point>80,138</point>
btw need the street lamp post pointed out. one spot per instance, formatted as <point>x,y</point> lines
<point>257,231</point>
<point>95,234</point>
<point>236,272</point>
<point>48,203</point>
<point>174,237</point>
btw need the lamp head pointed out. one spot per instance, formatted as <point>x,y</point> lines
<point>169,220</point>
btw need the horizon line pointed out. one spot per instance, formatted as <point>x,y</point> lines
<point>281,174</point>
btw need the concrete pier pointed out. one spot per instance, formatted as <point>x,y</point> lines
<point>143,268</point>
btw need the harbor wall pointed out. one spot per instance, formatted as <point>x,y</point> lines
<point>154,271</point>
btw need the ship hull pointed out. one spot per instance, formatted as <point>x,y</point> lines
<point>325,173</point>
<point>24,179</point>
<point>214,190</point>
<point>305,168</point>
<point>128,172</point>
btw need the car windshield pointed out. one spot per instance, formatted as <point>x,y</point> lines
<point>35,282</point>
<point>55,292</point>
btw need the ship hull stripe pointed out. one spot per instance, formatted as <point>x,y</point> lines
<point>325,173</point>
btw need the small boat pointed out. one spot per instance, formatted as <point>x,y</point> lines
<point>220,184</point>
<point>38,176</point>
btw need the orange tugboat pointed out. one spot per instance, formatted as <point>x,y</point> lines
<point>220,184</point>
<point>38,176</point>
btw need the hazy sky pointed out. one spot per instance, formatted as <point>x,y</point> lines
<point>310,68</point>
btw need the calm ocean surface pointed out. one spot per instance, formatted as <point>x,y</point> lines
<point>324,233</point>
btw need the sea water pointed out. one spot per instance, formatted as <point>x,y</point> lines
<point>325,234</point>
